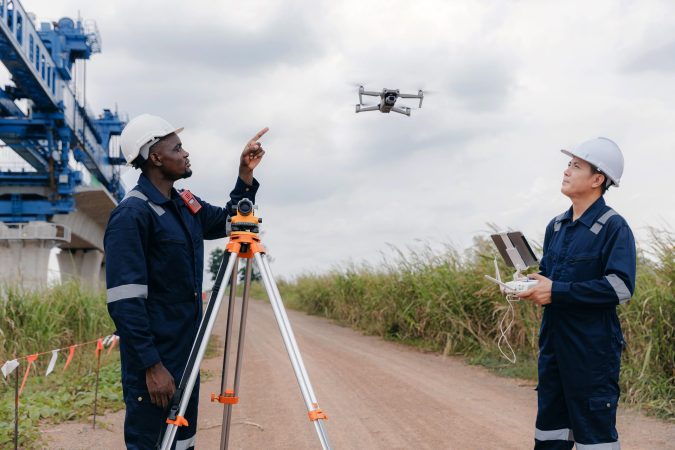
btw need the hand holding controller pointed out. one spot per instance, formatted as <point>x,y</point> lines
<point>513,287</point>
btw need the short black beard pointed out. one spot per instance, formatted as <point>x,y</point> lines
<point>187,174</point>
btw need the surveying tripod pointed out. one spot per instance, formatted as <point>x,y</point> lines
<point>244,243</point>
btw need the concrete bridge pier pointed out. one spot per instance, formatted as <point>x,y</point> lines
<point>84,265</point>
<point>25,249</point>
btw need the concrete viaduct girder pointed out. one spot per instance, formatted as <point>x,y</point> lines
<point>25,254</point>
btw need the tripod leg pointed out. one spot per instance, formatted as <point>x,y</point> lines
<point>195,360</point>
<point>228,337</point>
<point>293,351</point>
<point>227,411</point>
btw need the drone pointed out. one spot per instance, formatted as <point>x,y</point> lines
<point>388,101</point>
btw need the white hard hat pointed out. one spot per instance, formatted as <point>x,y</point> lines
<point>141,133</point>
<point>604,154</point>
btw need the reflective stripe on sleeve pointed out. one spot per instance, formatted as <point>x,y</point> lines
<point>127,291</point>
<point>597,226</point>
<point>186,443</point>
<point>137,194</point>
<point>605,217</point>
<point>156,208</point>
<point>562,434</point>
<point>619,287</point>
<point>605,446</point>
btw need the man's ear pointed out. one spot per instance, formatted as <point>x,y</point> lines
<point>155,159</point>
<point>598,179</point>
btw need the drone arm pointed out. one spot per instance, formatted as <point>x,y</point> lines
<point>371,93</point>
<point>419,95</point>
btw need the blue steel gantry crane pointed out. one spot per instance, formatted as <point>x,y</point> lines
<point>43,121</point>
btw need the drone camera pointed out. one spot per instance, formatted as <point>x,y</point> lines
<point>390,97</point>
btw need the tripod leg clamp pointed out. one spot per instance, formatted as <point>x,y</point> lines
<point>179,421</point>
<point>316,414</point>
<point>229,398</point>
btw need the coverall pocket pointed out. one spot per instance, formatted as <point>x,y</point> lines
<point>173,266</point>
<point>138,396</point>
<point>604,403</point>
<point>602,412</point>
<point>144,421</point>
<point>585,267</point>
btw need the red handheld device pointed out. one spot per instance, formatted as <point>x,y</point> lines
<point>190,201</point>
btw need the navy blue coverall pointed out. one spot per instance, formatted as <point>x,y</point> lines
<point>154,254</point>
<point>592,264</point>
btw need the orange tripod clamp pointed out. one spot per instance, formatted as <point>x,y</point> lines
<point>180,421</point>
<point>229,398</point>
<point>316,414</point>
<point>245,244</point>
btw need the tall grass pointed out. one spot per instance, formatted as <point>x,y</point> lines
<point>66,314</point>
<point>441,302</point>
<point>648,322</point>
<point>38,321</point>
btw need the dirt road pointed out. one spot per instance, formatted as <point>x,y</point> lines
<point>378,395</point>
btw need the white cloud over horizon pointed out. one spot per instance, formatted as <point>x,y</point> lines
<point>510,83</point>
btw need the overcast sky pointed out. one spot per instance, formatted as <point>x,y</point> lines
<point>510,83</point>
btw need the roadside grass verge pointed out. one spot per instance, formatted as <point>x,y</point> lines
<point>37,321</point>
<point>441,302</point>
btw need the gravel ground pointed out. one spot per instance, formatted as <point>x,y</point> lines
<point>377,395</point>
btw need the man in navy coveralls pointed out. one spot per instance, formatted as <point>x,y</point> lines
<point>588,268</point>
<point>154,252</point>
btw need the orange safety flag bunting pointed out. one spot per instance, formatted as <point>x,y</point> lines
<point>99,346</point>
<point>31,359</point>
<point>70,356</point>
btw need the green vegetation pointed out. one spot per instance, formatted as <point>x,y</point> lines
<point>53,318</point>
<point>441,302</point>
<point>41,321</point>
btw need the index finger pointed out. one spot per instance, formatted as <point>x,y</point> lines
<point>259,134</point>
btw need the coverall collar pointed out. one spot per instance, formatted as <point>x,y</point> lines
<point>152,192</point>
<point>589,216</point>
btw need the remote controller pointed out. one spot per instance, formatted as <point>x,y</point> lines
<point>513,287</point>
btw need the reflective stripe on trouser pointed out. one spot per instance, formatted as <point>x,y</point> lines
<point>185,444</point>
<point>144,421</point>
<point>608,446</point>
<point>578,391</point>
<point>563,434</point>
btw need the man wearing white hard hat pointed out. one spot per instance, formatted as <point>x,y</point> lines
<point>154,251</point>
<point>587,270</point>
